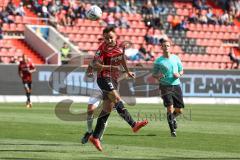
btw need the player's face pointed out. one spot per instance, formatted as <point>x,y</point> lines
<point>166,47</point>
<point>110,38</point>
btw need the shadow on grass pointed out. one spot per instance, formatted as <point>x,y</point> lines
<point>167,158</point>
<point>28,144</point>
<point>18,150</point>
<point>15,158</point>
<point>130,135</point>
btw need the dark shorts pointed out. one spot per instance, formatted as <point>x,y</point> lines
<point>172,95</point>
<point>27,85</point>
<point>107,85</point>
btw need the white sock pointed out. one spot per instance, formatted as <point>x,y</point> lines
<point>89,123</point>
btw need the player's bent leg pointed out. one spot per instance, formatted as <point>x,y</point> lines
<point>27,87</point>
<point>176,113</point>
<point>123,112</point>
<point>102,131</point>
<point>170,119</point>
<point>89,131</point>
<point>102,119</point>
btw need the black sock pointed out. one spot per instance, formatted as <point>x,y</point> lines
<point>170,121</point>
<point>102,119</point>
<point>123,112</point>
<point>28,96</point>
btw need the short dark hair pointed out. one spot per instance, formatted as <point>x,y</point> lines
<point>162,40</point>
<point>108,30</point>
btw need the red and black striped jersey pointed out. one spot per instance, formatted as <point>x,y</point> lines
<point>108,55</point>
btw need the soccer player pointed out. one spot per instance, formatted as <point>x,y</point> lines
<point>168,69</point>
<point>108,58</point>
<point>93,103</point>
<point>25,70</point>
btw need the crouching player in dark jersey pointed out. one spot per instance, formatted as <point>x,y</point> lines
<point>25,70</point>
<point>167,70</point>
<point>108,58</point>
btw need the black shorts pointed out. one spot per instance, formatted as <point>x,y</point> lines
<point>27,85</point>
<point>172,95</point>
<point>107,85</point>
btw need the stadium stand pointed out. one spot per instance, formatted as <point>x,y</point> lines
<point>13,44</point>
<point>198,44</point>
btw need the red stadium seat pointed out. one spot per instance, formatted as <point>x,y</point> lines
<point>169,18</point>
<point>217,28</point>
<point>18,19</point>
<point>72,37</point>
<point>210,27</point>
<point>85,38</point>
<point>19,52</point>
<point>20,27</point>
<point>5,27</point>
<point>236,29</point>
<point>13,27</point>
<point>220,35</point>
<point>78,37</point>
<point>82,29</point>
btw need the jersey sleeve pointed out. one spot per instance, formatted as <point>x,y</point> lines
<point>31,66</point>
<point>179,64</point>
<point>156,68</point>
<point>98,57</point>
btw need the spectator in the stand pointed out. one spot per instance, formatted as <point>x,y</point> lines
<point>153,22</point>
<point>211,18</point>
<point>71,17</point>
<point>66,5</point>
<point>183,25</point>
<point>134,8</point>
<point>128,6</point>
<point>175,22</point>
<point>20,10</point>
<point>156,9</point>
<point>224,19</point>
<point>45,13</point>
<point>54,7</point>
<point>231,18</point>
<point>11,8</point>
<point>151,54</point>
<point>1,32</point>
<point>145,55</point>
<point>1,59</point>
<point>111,6</point>
<point>110,20</point>
<point>200,4</point>
<point>193,18</point>
<point>234,58</point>
<point>155,36</point>
<point>61,18</point>
<point>36,6</point>
<point>81,11</point>
<point>14,60</point>
<point>4,16</point>
<point>65,53</point>
<point>121,22</point>
<point>202,18</point>
<point>133,54</point>
<point>147,9</point>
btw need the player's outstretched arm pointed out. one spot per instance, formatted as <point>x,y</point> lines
<point>32,70</point>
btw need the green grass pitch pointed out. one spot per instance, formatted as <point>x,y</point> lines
<point>205,132</point>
